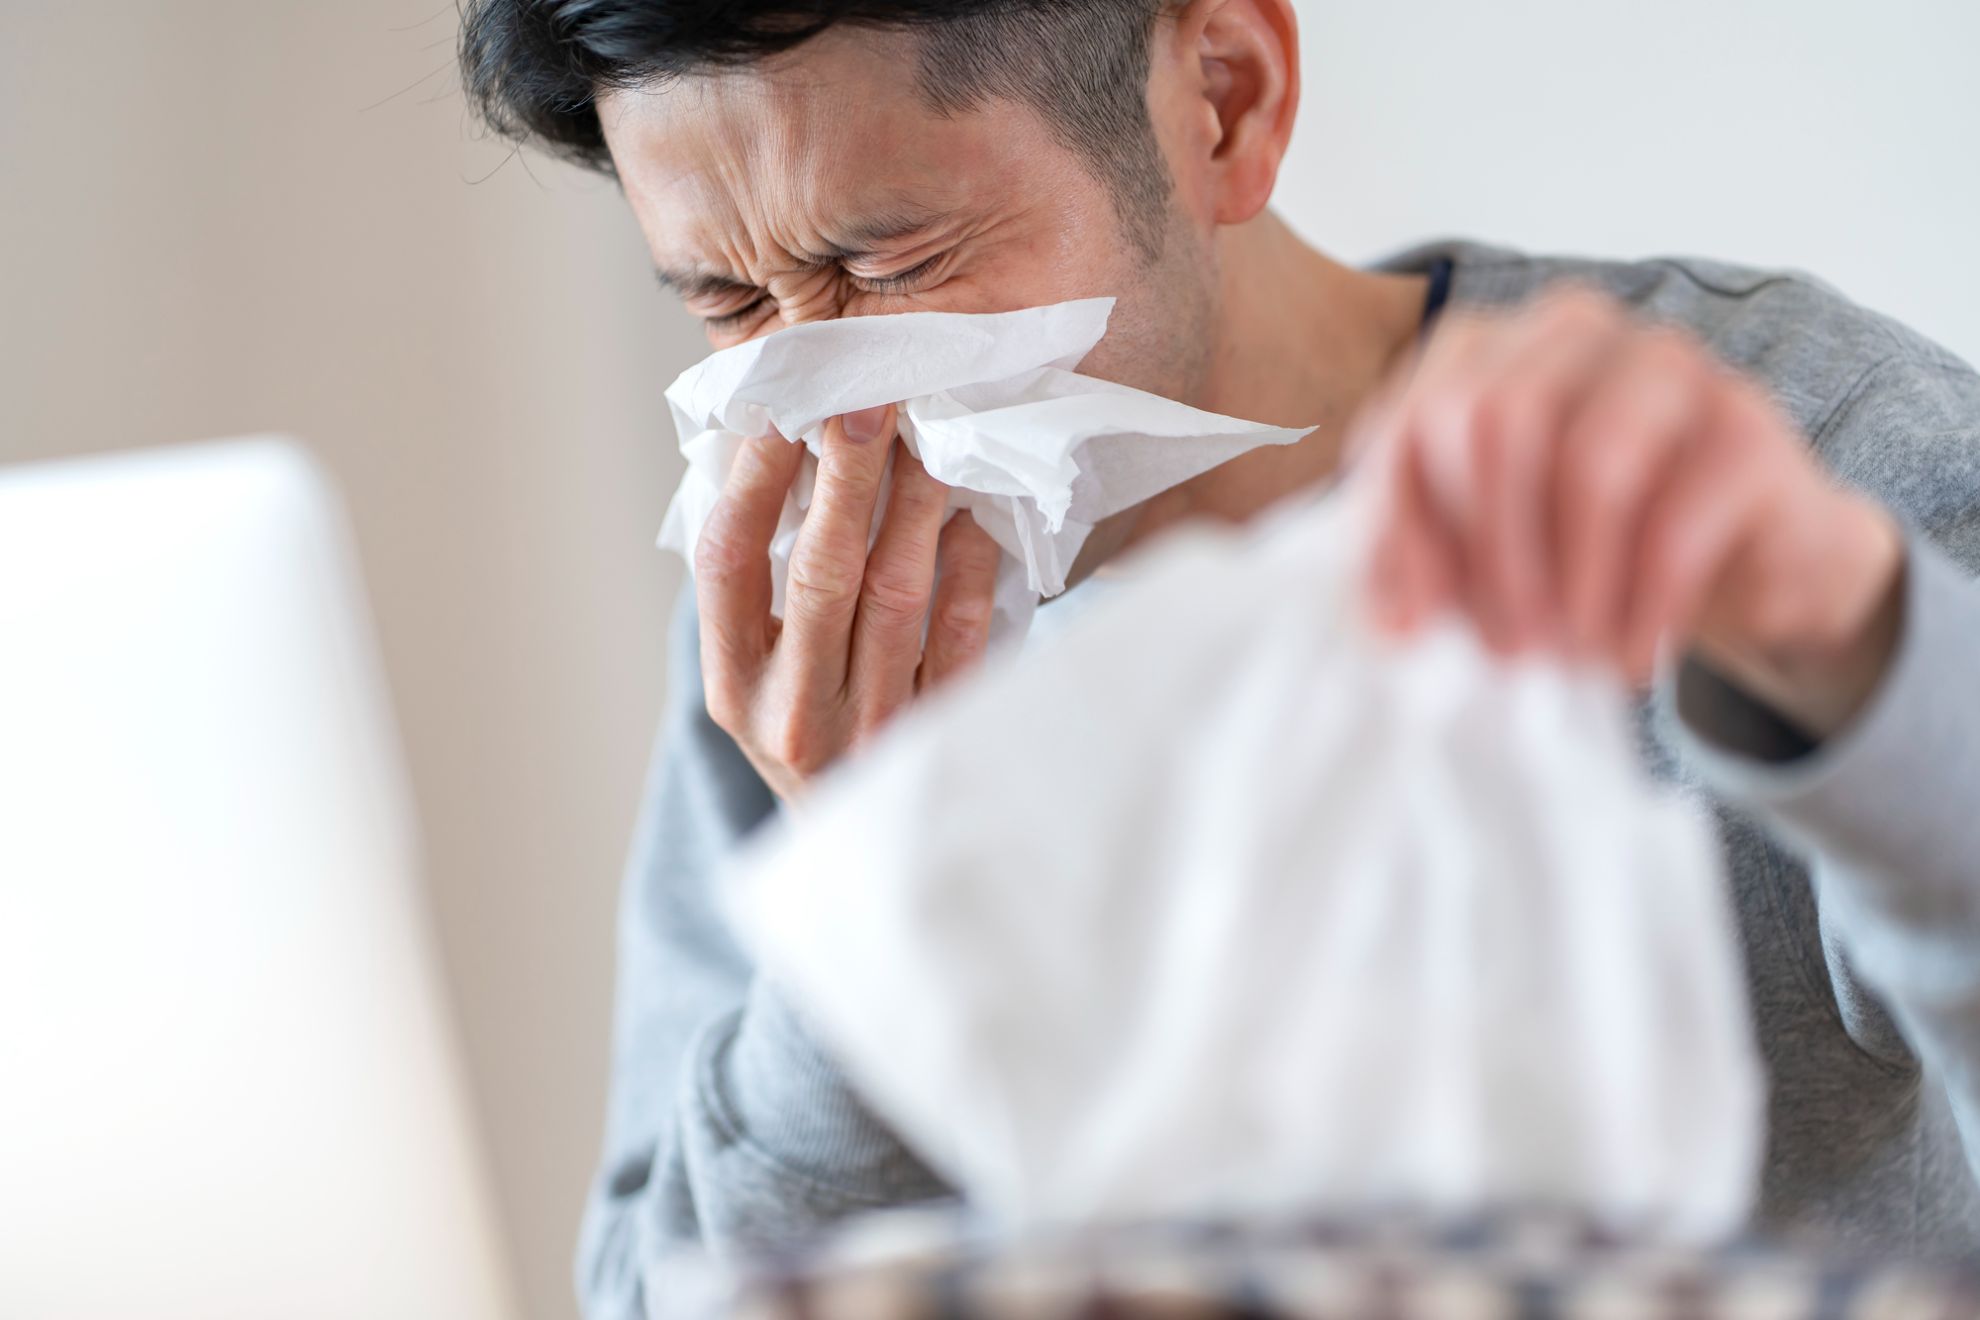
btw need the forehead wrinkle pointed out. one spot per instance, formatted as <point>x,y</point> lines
<point>775,164</point>
<point>758,188</point>
<point>810,150</point>
<point>857,235</point>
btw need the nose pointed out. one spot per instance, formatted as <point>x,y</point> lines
<point>817,293</point>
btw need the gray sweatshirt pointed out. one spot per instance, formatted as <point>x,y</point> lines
<point>1855,864</point>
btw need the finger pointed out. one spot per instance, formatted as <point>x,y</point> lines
<point>1693,530</point>
<point>1453,463</point>
<point>1368,431</point>
<point>1378,457</point>
<point>965,591</point>
<point>1415,560</point>
<point>894,597</point>
<point>1385,413</point>
<point>732,567</point>
<point>1615,451</point>
<point>1405,578</point>
<point>1544,368</point>
<point>829,558</point>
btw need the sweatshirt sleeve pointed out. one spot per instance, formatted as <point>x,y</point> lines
<point>1887,810</point>
<point>727,1129</point>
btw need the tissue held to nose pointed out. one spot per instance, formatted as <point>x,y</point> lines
<point>991,406</point>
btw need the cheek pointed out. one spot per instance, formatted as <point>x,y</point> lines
<point>1159,334</point>
<point>1158,340</point>
<point>1126,357</point>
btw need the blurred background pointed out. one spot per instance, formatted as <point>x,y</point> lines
<point>230,216</point>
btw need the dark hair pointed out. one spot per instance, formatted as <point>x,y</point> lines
<point>532,68</point>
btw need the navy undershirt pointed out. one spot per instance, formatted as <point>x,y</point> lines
<point>1434,299</point>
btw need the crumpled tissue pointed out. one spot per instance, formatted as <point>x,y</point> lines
<point>1219,902</point>
<point>989,402</point>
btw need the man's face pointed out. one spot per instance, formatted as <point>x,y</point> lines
<point>822,186</point>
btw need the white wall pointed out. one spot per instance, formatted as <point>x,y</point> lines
<point>213,221</point>
<point>1835,135</point>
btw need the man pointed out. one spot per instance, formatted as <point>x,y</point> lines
<point>1739,471</point>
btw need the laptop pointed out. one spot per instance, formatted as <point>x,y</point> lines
<point>229,1080</point>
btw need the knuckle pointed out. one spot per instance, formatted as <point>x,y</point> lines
<point>909,468</point>
<point>820,581</point>
<point>915,492</point>
<point>893,599</point>
<point>721,555</point>
<point>1666,350</point>
<point>797,746</point>
<point>849,463</point>
<point>1754,415</point>
<point>1450,438</point>
<point>1449,416</point>
<point>964,616</point>
<point>1576,306</point>
<point>758,461</point>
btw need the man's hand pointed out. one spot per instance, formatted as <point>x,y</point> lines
<point>1576,480</point>
<point>796,694</point>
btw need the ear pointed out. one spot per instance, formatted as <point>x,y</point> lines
<point>1241,58</point>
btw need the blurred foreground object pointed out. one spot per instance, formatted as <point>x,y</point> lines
<point>1223,905</point>
<point>1533,1267</point>
<point>231,1085</point>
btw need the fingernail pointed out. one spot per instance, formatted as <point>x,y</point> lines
<point>866,424</point>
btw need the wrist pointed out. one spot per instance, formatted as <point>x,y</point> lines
<point>1819,666</point>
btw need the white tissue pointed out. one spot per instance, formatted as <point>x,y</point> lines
<point>1218,903</point>
<point>990,403</point>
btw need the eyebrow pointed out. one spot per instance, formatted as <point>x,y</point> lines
<point>857,239</point>
<point>699,283</point>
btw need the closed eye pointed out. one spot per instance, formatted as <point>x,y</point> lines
<point>733,320</point>
<point>897,283</point>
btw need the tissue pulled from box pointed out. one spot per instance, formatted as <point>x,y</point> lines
<point>989,402</point>
<point>1217,902</point>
